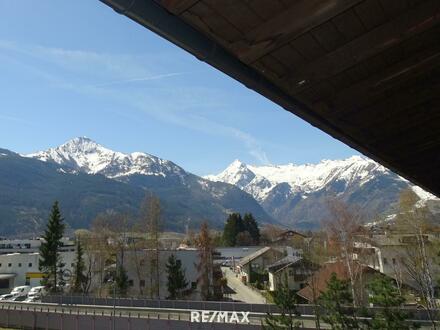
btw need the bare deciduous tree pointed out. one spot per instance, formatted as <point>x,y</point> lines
<point>342,226</point>
<point>151,215</point>
<point>418,254</point>
<point>205,266</point>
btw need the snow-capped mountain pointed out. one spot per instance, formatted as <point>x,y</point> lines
<point>185,197</point>
<point>259,181</point>
<point>297,193</point>
<point>85,155</point>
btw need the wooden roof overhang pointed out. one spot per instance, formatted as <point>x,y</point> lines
<point>367,72</point>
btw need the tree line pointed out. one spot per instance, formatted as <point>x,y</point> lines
<point>241,231</point>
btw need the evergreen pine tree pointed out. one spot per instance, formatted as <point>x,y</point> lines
<point>50,261</point>
<point>334,303</point>
<point>285,299</point>
<point>385,295</point>
<point>79,278</point>
<point>251,226</point>
<point>176,277</point>
<point>121,280</point>
<point>234,225</point>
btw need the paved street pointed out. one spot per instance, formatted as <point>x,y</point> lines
<point>242,292</point>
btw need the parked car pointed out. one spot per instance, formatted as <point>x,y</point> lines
<point>6,297</point>
<point>21,291</point>
<point>18,298</point>
<point>37,291</point>
<point>33,298</point>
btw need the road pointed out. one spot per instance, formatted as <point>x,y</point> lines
<point>242,292</point>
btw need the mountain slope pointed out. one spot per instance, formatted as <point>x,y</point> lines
<point>28,188</point>
<point>298,194</point>
<point>184,196</point>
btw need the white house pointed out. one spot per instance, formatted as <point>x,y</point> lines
<point>257,262</point>
<point>136,264</point>
<point>292,270</point>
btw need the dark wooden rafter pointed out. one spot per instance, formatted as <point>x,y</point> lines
<point>177,7</point>
<point>383,37</point>
<point>364,71</point>
<point>283,28</point>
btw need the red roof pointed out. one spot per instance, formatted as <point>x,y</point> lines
<point>321,277</point>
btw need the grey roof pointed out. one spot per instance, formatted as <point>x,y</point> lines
<point>252,256</point>
<point>286,261</point>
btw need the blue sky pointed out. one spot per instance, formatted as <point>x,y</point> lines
<point>76,68</point>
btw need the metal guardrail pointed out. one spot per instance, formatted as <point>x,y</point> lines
<point>303,309</point>
<point>53,317</point>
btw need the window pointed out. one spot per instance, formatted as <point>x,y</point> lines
<point>9,265</point>
<point>130,282</point>
<point>0,265</point>
<point>291,272</point>
<point>30,264</point>
<point>72,265</point>
<point>394,261</point>
<point>193,285</point>
<point>28,281</point>
<point>19,264</point>
<point>142,283</point>
<point>4,284</point>
<point>385,261</point>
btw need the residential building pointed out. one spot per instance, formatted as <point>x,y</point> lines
<point>292,270</point>
<point>231,256</point>
<point>140,276</point>
<point>257,262</point>
<point>289,238</point>
<point>317,283</point>
<point>388,253</point>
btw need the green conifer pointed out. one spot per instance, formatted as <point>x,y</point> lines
<point>176,277</point>
<point>50,260</point>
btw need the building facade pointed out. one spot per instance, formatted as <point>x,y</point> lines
<point>142,280</point>
<point>17,269</point>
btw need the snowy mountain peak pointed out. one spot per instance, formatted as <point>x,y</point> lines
<point>85,155</point>
<point>260,180</point>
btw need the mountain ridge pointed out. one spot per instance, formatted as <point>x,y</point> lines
<point>185,197</point>
<point>298,193</point>
<point>291,195</point>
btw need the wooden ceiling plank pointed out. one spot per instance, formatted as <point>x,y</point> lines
<point>281,29</point>
<point>308,47</point>
<point>208,21</point>
<point>372,43</point>
<point>367,91</point>
<point>177,7</point>
<point>371,14</point>
<point>393,7</point>
<point>290,58</point>
<point>328,36</point>
<point>348,24</point>
<point>395,104</point>
<point>266,9</point>
<point>237,13</point>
